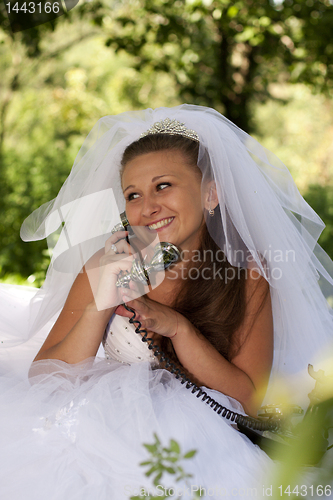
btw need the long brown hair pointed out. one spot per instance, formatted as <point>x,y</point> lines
<point>216,307</point>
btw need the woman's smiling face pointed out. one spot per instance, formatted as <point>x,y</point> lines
<point>163,193</point>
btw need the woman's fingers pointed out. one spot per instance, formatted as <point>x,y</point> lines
<point>122,261</point>
<point>116,262</point>
<point>117,243</point>
<point>122,311</point>
<point>136,294</point>
<point>138,288</point>
<point>152,315</point>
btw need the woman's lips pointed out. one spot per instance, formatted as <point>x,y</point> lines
<point>161,224</point>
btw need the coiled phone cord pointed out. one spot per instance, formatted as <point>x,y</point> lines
<point>245,420</point>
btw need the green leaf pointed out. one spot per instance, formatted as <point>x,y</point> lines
<point>152,469</point>
<point>157,479</point>
<point>147,462</point>
<point>152,448</point>
<point>171,459</point>
<point>174,446</point>
<point>157,441</point>
<point>171,470</point>
<point>190,454</point>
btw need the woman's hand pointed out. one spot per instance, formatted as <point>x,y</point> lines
<point>118,257</point>
<point>153,316</point>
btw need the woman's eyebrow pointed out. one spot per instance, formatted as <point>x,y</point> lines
<point>128,187</point>
<point>153,180</point>
<point>159,176</point>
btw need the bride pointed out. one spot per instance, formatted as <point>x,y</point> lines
<point>239,311</point>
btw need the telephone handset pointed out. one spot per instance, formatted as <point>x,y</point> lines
<point>122,225</point>
<point>166,254</point>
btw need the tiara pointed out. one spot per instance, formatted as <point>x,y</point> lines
<point>172,127</point>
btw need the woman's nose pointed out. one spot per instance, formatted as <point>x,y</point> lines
<point>150,206</point>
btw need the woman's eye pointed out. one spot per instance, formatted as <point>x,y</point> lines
<point>159,187</point>
<point>163,185</point>
<point>132,196</point>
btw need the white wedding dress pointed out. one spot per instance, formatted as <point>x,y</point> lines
<point>78,431</point>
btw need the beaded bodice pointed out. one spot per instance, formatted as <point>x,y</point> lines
<point>123,344</point>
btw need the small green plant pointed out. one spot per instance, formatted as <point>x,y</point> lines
<point>165,460</point>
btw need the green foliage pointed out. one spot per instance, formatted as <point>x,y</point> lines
<point>225,54</point>
<point>218,53</point>
<point>307,448</point>
<point>165,460</point>
<point>299,132</point>
<point>321,200</point>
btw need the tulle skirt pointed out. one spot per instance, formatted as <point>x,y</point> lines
<point>77,432</point>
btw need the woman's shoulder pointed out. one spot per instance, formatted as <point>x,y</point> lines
<point>254,278</point>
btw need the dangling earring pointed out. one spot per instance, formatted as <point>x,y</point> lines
<point>211,210</point>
